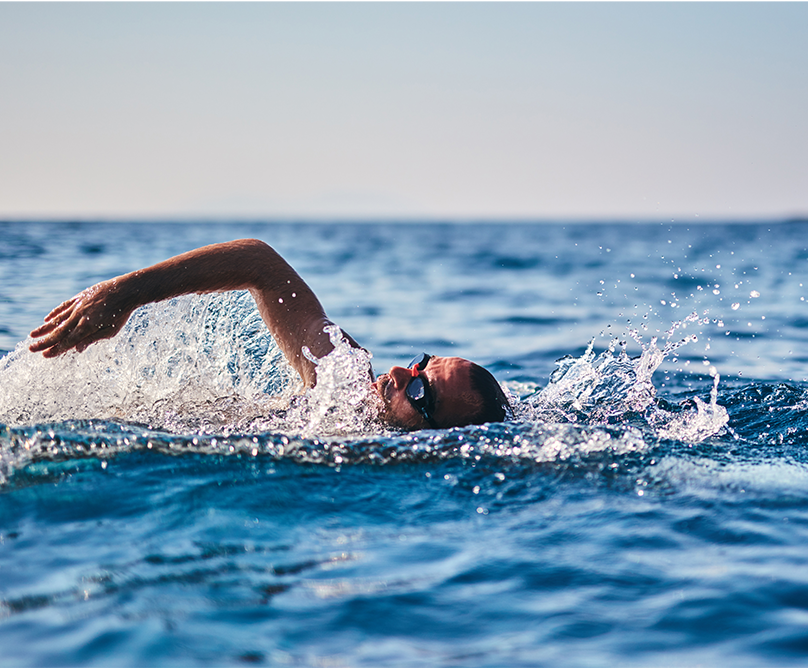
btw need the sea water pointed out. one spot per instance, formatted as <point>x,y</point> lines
<point>170,497</point>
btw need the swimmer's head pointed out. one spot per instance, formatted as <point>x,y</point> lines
<point>440,392</point>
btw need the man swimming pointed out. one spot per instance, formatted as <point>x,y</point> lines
<point>437,392</point>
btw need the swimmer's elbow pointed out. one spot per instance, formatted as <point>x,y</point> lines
<point>261,249</point>
<point>256,243</point>
<point>259,262</point>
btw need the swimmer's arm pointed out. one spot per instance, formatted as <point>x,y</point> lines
<point>287,305</point>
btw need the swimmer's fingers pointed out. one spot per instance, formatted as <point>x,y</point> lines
<point>53,350</point>
<point>54,335</point>
<point>64,346</point>
<point>62,308</point>
<point>58,315</point>
<point>43,329</point>
<point>97,313</point>
<point>56,323</point>
<point>54,319</point>
<point>77,332</point>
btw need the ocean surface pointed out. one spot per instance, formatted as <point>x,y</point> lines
<point>168,497</point>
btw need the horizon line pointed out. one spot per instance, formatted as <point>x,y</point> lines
<point>407,220</point>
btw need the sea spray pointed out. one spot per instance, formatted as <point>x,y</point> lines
<point>343,401</point>
<point>609,388</point>
<point>175,365</point>
<point>708,419</point>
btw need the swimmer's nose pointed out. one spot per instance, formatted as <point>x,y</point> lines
<point>400,376</point>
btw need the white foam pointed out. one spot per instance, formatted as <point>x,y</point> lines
<point>600,389</point>
<point>185,357</point>
<point>192,365</point>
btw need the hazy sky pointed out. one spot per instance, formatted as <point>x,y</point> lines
<point>447,110</point>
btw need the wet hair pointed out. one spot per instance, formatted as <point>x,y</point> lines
<point>495,406</point>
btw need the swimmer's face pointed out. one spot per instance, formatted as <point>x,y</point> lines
<point>449,383</point>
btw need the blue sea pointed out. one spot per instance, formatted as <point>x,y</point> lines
<point>169,497</point>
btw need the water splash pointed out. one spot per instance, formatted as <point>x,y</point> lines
<point>180,365</point>
<point>342,402</point>
<point>192,365</point>
<point>609,388</point>
<point>692,427</point>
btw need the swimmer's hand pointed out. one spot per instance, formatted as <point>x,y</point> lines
<point>97,313</point>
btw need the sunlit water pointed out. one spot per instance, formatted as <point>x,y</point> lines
<point>170,496</point>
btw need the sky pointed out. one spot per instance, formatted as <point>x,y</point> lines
<point>463,111</point>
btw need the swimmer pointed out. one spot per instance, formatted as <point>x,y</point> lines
<point>436,392</point>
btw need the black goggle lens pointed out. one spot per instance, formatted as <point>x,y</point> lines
<point>418,391</point>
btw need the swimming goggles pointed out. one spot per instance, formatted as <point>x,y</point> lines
<point>417,390</point>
